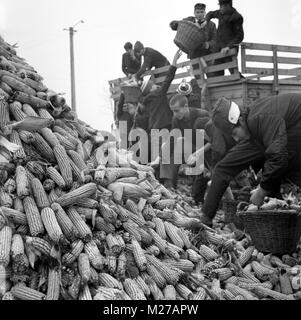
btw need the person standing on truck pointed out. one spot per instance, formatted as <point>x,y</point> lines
<point>268,138</point>
<point>130,63</point>
<point>152,59</point>
<point>230,32</point>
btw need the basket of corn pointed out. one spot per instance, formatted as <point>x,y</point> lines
<point>189,36</point>
<point>275,227</point>
<point>131,91</point>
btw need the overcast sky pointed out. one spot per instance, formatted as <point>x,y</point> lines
<point>37,26</point>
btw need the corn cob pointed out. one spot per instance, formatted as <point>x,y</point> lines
<point>84,267</point>
<point>85,294</point>
<point>262,272</point>
<point>4,112</point>
<point>5,245</point>
<point>132,230</point>
<point>95,258</point>
<point>40,244</point>
<point>28,110</point>
<point>159,242</point>
<point>23,189</point>
<point>64,164</point>
<point>8,296</point>
<point>248,268</point>
<point>154,289</point>
<point>33,217</point>
<point>20,261</point>
<point>184,265</point>
<point>18,85</point>
<point>260,290</point>
<point>43,113</point>
<point>67,127</point>
<point>76,249</point>
<point>207,253</point>
<point>248,275</point>
<point>223,273</point>
<point>20,154</point>
<point>22,292</point>
<point>143,286</point>
<point>50,137</point>
<point>215,238</point>
<point>239,297</point>
<point>78,160</point>
<point>56,177</point>
<point>84,232</point>
<point>16,110</point>
<point>138,220</point>
<point>107,213</point>
<point>10,186</point>
<point>75,287</point>
<point>132,206</point>
<point>139,255</point>
<point>94,277</point>
<point>246,256</point>
<point>133,290</point>
<point>153,250</point>
<point>5,199</point>
<point>285,284</point>
<point>235,290</point>
<point>113,244</point>
<point>72,197</point>
<point>193,256</point>
<point>148,213</point>
<point>67,144</point>
<point>6,89</point>
<point>165,204</point>
<point>160,228</point>
<point>185,238</point>
<point>77,174</point>
<point>52,197</point>
<point>35,168</point>
<point>183,291</point>
<point>88,203</point>
<point>39,194</point>
<point>107,280</point>
<point>232,280</point>
<point>66,135</point>
<point>53,289</point>
<point>27,137</point>
<point>156,276</point>
<point>51,225</point>
<point>111,262</point>
<point>251,286</point>
<point>101,225</point>
<point>121,266</point>
<point>169,293</point>
<point>43,148</point>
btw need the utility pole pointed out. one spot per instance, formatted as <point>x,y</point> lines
<point>72,64</point>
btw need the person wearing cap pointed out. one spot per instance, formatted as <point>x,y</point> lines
<point>130,63</point>
<point>208,46</point>
<point>152,59</point>
<point>230,32</point>
<point>268,137</point>
<point>184,118</point>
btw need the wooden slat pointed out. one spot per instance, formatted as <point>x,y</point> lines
<point>269,47</point>
<point>260,71</point>
<point>219,55</point>
<point>286,60</point>
<point>177,76</point>
<point>222,66</point>
<point>243,59</point>
<point>255,58</point>
<point>231,77</point>
<point>292,82</point>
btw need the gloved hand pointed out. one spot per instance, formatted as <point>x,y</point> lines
<point>258,195</point>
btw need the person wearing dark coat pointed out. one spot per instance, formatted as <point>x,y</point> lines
<point>268,138</point>
<point>230,32</point>
<point>209,45</point>
<point>152,59</point>
<point>130,63</point>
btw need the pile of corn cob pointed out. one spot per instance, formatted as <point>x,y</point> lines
<point>80,220</point>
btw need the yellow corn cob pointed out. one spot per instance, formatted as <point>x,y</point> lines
<point>233,280</point>
<point>27,137</point>
<point>20,261</point>
<point>111,262</point>
<point>143,286</point>
<point>248,268</point>
<point>223,273</point>
<point>43,148</point>
<point>113,244</point>
<point>4,111</point>
<point>138,220</point>
<point>193,256</point>
<point>133,290</point>
<point>2,222</point>
<point>53,289</point>
<point>215,238</point>
<point>122,214</point>
<point>40,244</point>
<point>285,284</point>
<point>139,255</point>
<point>165,204</point>
<point>76,249</point>
<point>43,113</point>
<point>227,295</point>
<point>248,275</point>
<point>28,110</point>
<point>133,230</point>
<point>172,232</point>
<point>148,213</point>
<point>33,216</point>
<point>252,286</point>
<point>239,297</point>
<point>52,196</point>
<point>169,293</point>
<point>132,206</point>
<point>72,197</point>
<point>235,290</point>
<point>5,199</point>
<point>246,256</point>
<point>84,267</point>
<point>22,292</point>
<point>85,294</point>
<point>64,164</point>
<point>182,264</point>
<point>107,213</point>
<point>155,290</point>
<point>94,276</point>
<point>56,177</point>
<point>77,174</point>
<point>20,154</point>
<point>88,203</point>
<point>121,266</point>
<point>146,238</point>
<point>107,280</point>
<point>95,258</point>
<point>5,245</point>
<point>8,296</point>
<point>35,168</point>
<point>50,137</point>
<point>18,205</point>
<point>14,215</point>
<point>101,225</point>
<point>207,253</point>
<point>159,242</point>
<point>120,241</point>
<point>262,272</point>
<point>78,160</point>
<point>156,276</point>
<point>160,228</point>
<point>39,194</point>
<point>84,232</point>
<point>65,134</point>
<point>51,225</point>
<point>16,111</point>
<point>67,127</point>
<point>185,238</point>
<point>67,144</point>
<point>260,290</point>
<point>183,291</point>
<point>86,212</point>
<point>153,250</point>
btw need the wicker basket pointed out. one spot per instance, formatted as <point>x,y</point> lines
<point>131,93</point>
<point>273,231</point>
<point>189,36</point>
<point>230,210</point>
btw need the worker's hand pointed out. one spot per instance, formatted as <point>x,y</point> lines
<point>225,50</point>
<point>206,45</point>
<point>174,25</point>
<point>203,25</point>
<point>177,57</point>
<point>258,195</point>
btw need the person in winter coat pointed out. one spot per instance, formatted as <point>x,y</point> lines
<point>152,59</point>
<point>268,138</point>
<point>130,63</point>
<point>210,30</point>
<point>230,32</point>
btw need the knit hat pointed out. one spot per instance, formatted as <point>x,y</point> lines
<point>146,86</point>
<point>225,115</point>
<point>184,88</point>
<point>200,6</point>
<point>138,46</point>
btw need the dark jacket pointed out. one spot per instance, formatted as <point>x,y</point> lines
<point>152,59</point>
<point>124,116</point>
<point>210,33</point>
<point>157,104</point>
<point>230,31</point>
<point>130,65</point>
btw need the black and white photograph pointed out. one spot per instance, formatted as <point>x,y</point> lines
<point>150,150</point>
